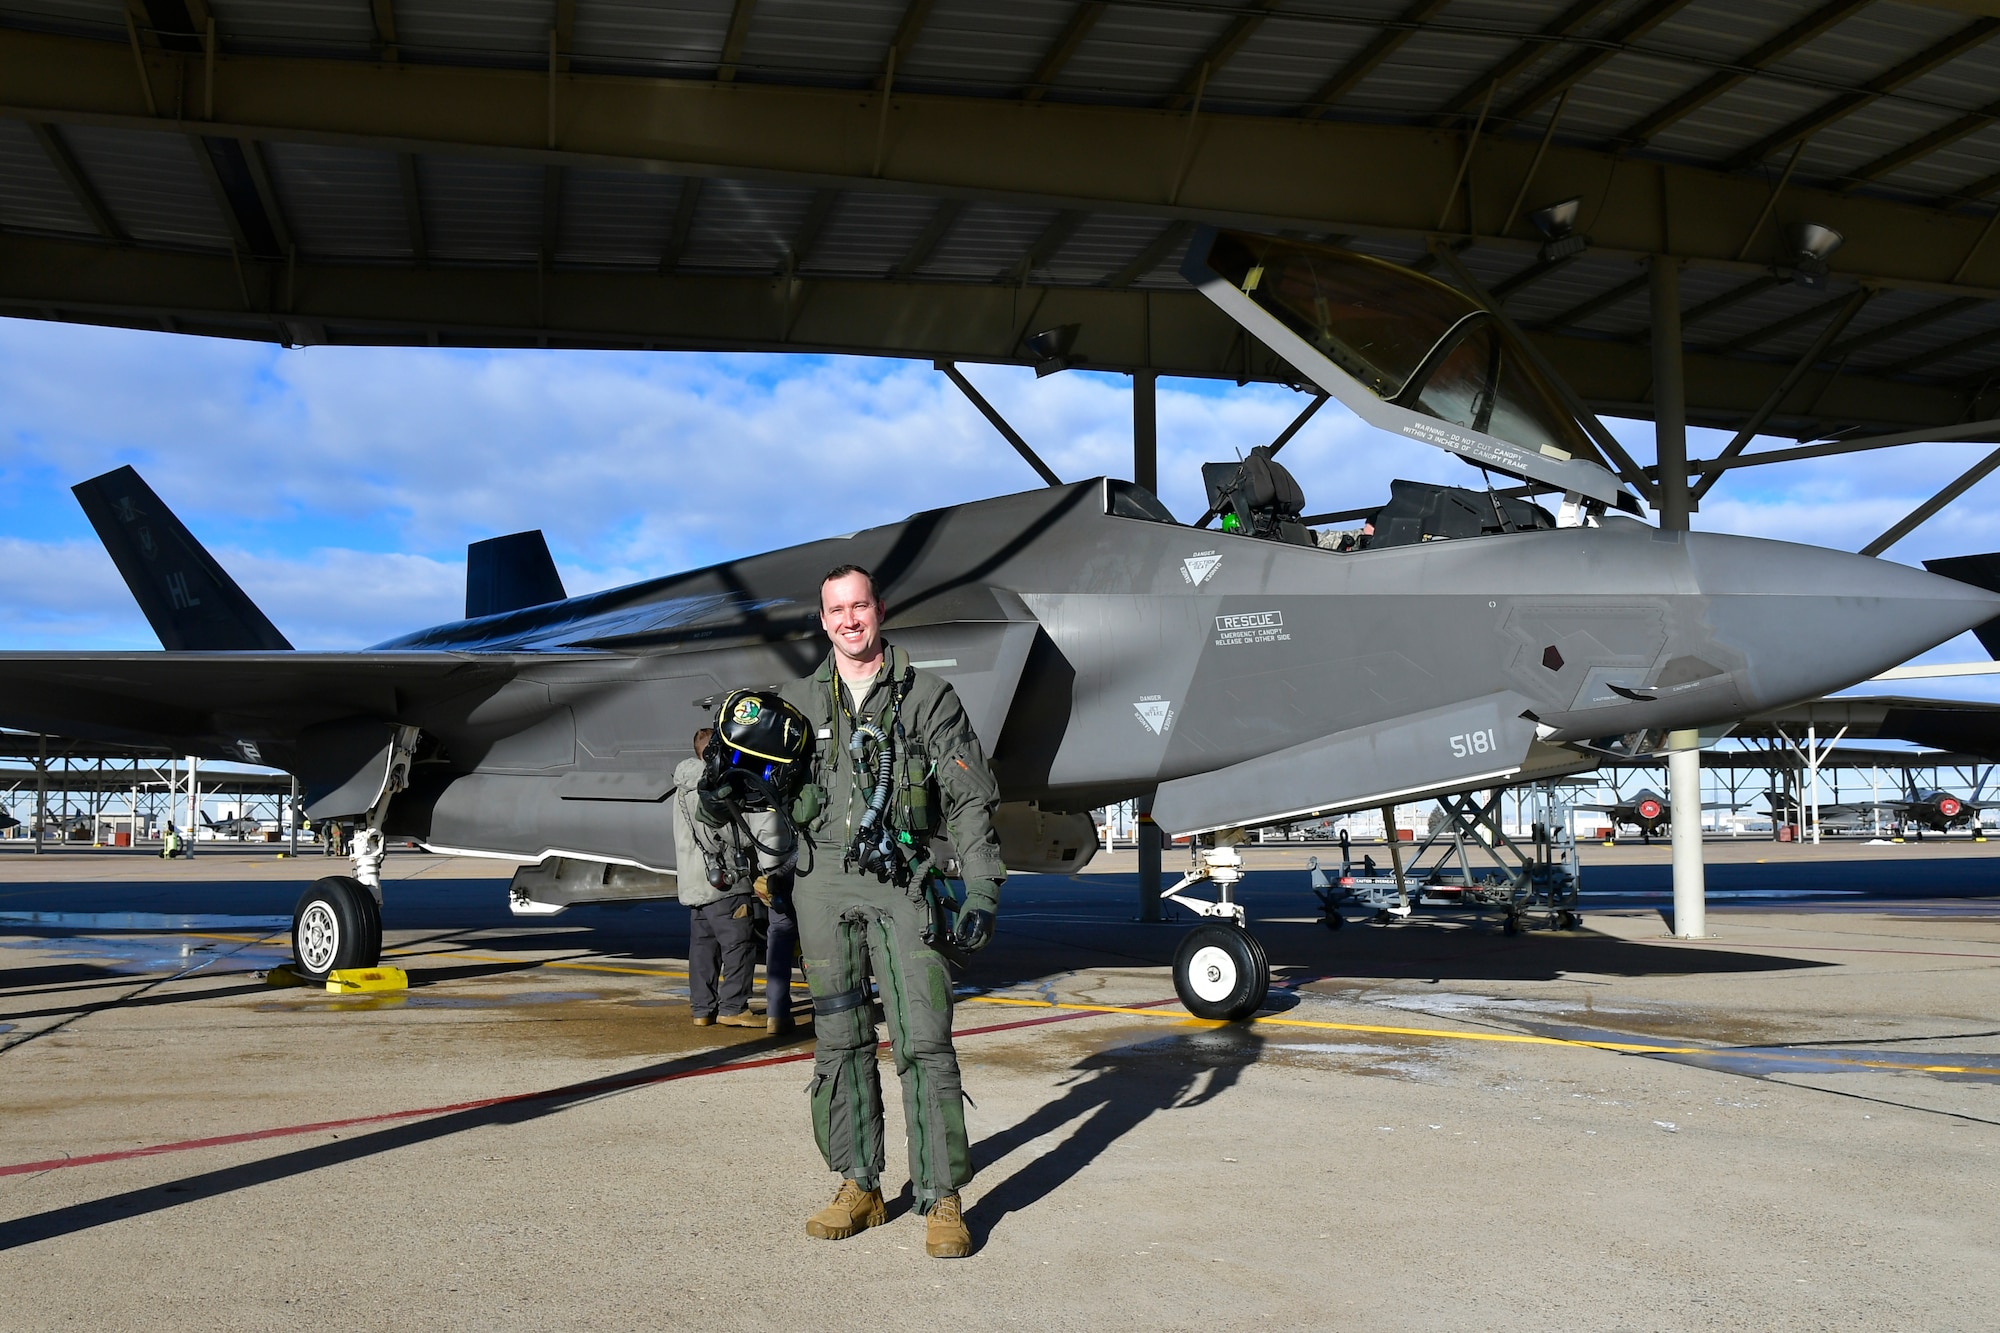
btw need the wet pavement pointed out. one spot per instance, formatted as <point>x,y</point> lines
<point>1431,1124</point>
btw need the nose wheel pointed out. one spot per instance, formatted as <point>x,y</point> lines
<point>1221,973</point>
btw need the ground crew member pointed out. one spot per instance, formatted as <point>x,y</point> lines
<point>170,845</point>
<point>863,909</point>
<point>715,887</point>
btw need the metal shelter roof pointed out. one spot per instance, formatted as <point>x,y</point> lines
<point>938,178</point>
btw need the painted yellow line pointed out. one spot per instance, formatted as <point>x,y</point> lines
<point>1268,1020</point>
<point>1512,1038</point>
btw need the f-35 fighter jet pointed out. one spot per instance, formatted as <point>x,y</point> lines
<point>1102,649</point>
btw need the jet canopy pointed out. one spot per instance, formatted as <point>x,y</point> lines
<point>1405,352</point>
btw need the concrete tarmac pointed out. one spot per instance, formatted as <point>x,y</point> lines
<point>1432,1125</point>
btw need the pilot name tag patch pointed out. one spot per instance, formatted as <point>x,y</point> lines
<point>1250,627</point>
<point>1198,568</point>
<point>1155,713</point>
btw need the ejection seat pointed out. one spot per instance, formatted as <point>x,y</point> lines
<point>1258,498</point>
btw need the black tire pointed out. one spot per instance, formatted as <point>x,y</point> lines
<point>1512,926</point>
<point>1334,921</point>
<point>1221,972</point>
<point>336,925</point>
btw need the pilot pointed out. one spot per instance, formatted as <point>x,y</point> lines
<point>716,872</point>
<point>872,904</point>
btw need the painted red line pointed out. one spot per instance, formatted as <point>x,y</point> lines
<point>580,1090</point>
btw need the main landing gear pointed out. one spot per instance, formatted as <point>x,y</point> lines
<point>1220,970</point>
<point>337,924</point>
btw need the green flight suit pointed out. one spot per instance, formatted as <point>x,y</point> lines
<point>851,924</point>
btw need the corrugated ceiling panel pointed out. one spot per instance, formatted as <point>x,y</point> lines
<point>1699,286</point>
<point>979,47</point>
<point>987,240</point>
<point>1858,139</point>
<point>1886,308</point>
<point>822,41</point>
<point>1740,117</point>
<point>99,18</point>
<point>618,218</point>
<point>1794,342</point>
<point>325,26</point>
<point>32,194</point>
<point>684,36</point>
<point>1724,29</point>
<point>1140,54</point>
<point>869,234</point>
<point>1747,318</point>
<point>1285,63</point>
<point>1426,72</point>
<point>1911,349</point>
<point>1873,41</point>
<point>511,32</point>
<point>1568,287</point>
<point>1618,95</point>
<point>341,203</point>
<point>1951,168</point>
<point>152,185</point>
<point>481,212</point>
<point>1100,246</point>
<point>745,225</point>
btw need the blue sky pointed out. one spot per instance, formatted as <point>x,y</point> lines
<point>340,485</point>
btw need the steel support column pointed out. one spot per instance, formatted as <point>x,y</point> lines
<point>1669,394</point>
<point>1670,446</point>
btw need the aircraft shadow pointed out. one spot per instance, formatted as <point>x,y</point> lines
<point>78,1217</point>
<point>1109,1094</point>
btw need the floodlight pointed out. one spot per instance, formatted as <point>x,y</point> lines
<point>1051,348</point>
<point>1811,245</point>
<point>1557,223</point>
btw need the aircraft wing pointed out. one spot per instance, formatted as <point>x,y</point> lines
<point>211,704</point>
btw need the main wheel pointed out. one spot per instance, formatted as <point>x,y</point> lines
<point>1220,972</point>
<point>336,925</point>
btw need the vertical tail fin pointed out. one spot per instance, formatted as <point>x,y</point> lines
<point>508,573</point>
<point>191,602</point>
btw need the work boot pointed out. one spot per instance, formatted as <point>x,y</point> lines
<point>945,1236</point>
<point>745,1019</point>
<point>703,1020</point>
<point>853,1209</point>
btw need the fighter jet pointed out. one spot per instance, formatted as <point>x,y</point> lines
<point>239,827</point>
<point>1934,810</point>
<point>1647,811</point>
<point>1103,650</point>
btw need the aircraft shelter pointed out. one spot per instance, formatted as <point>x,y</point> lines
<point>1776,217</point>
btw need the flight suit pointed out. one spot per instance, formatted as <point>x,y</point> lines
<point>851,924</point>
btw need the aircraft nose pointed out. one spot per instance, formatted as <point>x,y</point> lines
<point>1812,620</point>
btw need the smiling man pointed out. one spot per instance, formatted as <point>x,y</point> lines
<point>893,752</point>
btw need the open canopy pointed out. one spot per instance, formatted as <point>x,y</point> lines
<point>1405,352</point>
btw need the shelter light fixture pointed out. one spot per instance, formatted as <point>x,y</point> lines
<point>1557,224</point>
<point>1051,349</point>
<point>1811,246</point>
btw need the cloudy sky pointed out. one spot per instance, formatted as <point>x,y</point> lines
<point>340,485</point>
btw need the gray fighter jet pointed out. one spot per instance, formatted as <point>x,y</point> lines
<point>1102,649</point>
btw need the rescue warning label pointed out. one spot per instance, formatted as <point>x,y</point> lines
<point>1251,627</point>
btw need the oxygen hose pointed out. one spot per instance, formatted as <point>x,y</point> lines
<point>885,772</point>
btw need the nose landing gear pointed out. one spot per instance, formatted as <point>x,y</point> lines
<point>1220,970</point>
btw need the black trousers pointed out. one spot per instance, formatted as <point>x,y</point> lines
<point>722,956</point>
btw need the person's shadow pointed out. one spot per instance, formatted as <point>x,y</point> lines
<point>1109,1094</point>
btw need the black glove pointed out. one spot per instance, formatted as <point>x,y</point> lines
<point>974,930</point>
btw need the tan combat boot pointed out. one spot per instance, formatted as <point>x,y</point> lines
<point>853,1209</point>
<point>945,1236</point>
